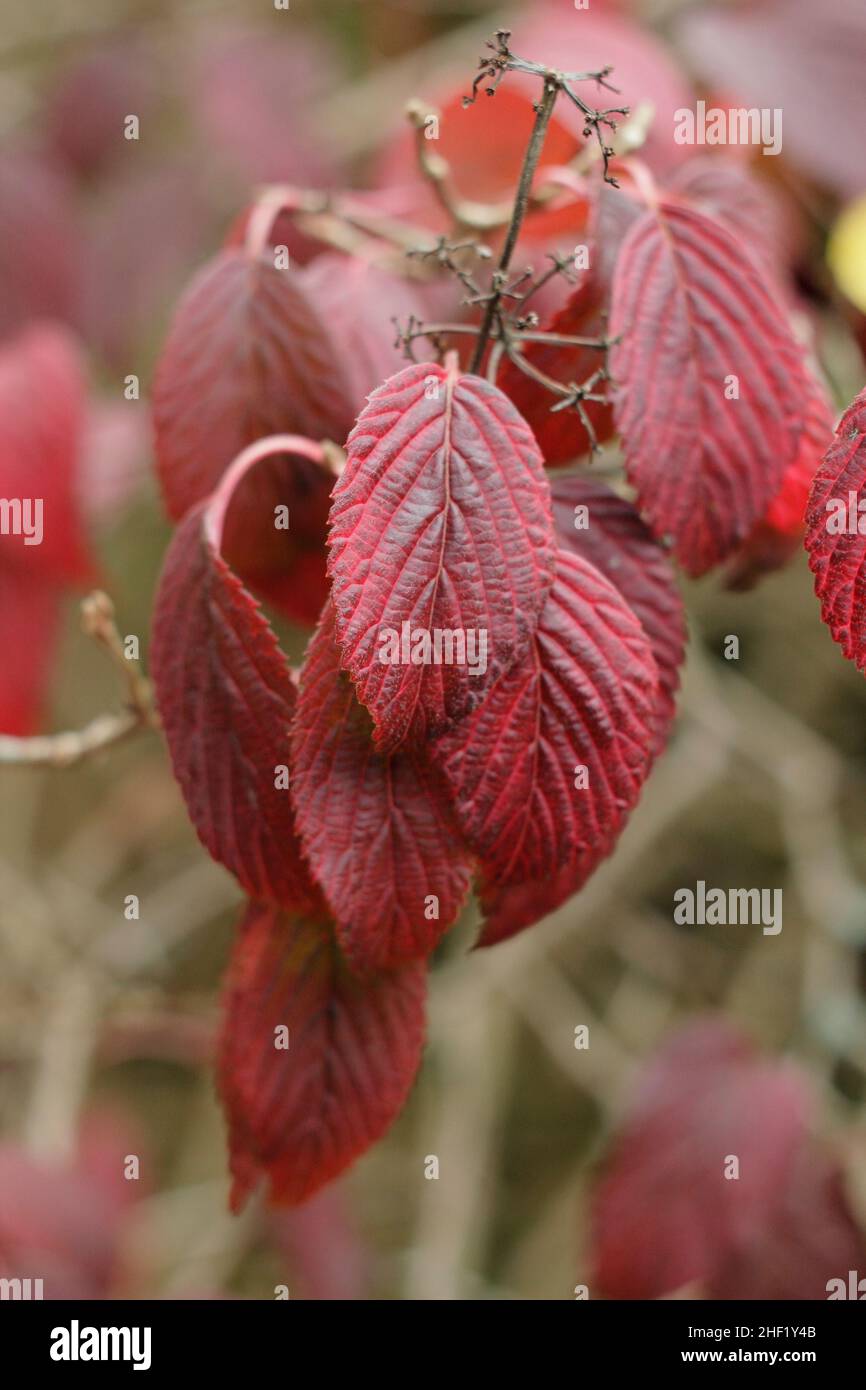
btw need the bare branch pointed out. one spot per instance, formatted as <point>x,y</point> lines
<point>65,749</point>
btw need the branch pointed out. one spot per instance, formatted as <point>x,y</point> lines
<point>492,68</point>
<point>571,394</point>
<point>544,111</point>
<point>73,746</point>
<point>464,213</point>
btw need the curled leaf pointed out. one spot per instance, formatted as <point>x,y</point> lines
<point>227,698</point>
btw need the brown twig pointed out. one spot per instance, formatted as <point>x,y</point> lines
<point>73,746</point>
<point>543,114</point>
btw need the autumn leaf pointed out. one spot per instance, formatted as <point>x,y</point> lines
<point>377,828</point>
<point>710,383</point>
<point>314,1064</point>
<point>227,698</point>
<point>440,523</point>
<point>834,538</point>
<point>593,521</point>
<point>546,769</point>
<point>247,356</point>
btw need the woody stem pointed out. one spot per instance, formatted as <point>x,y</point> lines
<point>544,111</point>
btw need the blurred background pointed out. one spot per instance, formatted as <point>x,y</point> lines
<point>107,1024</point>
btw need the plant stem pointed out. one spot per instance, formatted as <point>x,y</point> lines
<point>527,173</point>
<point>62,750</point>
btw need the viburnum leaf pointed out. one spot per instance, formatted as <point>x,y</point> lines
<point>441,525</point>
<point>748,206</point>
<point>710,382</point>
<point>246,356</point>
<point>545,771</point>
<point>664,1213</point>
<point>284,564</point>
<point>773,540</point>
<point>226,698</point>
<point>834,538</point>
<point>360,302</point>
<point>377,828</point>
<point>314,1064</point>
<point>606,529</point>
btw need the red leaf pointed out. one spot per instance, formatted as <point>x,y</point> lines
<point>115,457</point>
<point>441,522</point>
<point>837,555</point>
<point>133,272</point>
<point>665,1215</point>
<point>29,613</point>
<point>89,99</point>
<point>483,145</point>
<point>226,699</point>
<point>561,434</point>
<point>253,91</point>
<point>809,1238</point>
<point>377,829</point>
<point>300,1115</point>
<point>751,209</point>
<point>360,302</point>
<point>286,567</point>
<point>693,314</point>
<point>42,402</point>
<point>42,413</point>
<point>58,1223</point>
<point>618,543</point>
<point>585,697</point>
<point>246,356</point>
<point>774,539</point>
<point>39,244</point>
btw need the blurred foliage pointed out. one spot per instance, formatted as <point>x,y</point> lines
<point>764,783</point>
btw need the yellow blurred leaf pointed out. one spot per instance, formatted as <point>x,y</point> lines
<point>846,252</point>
